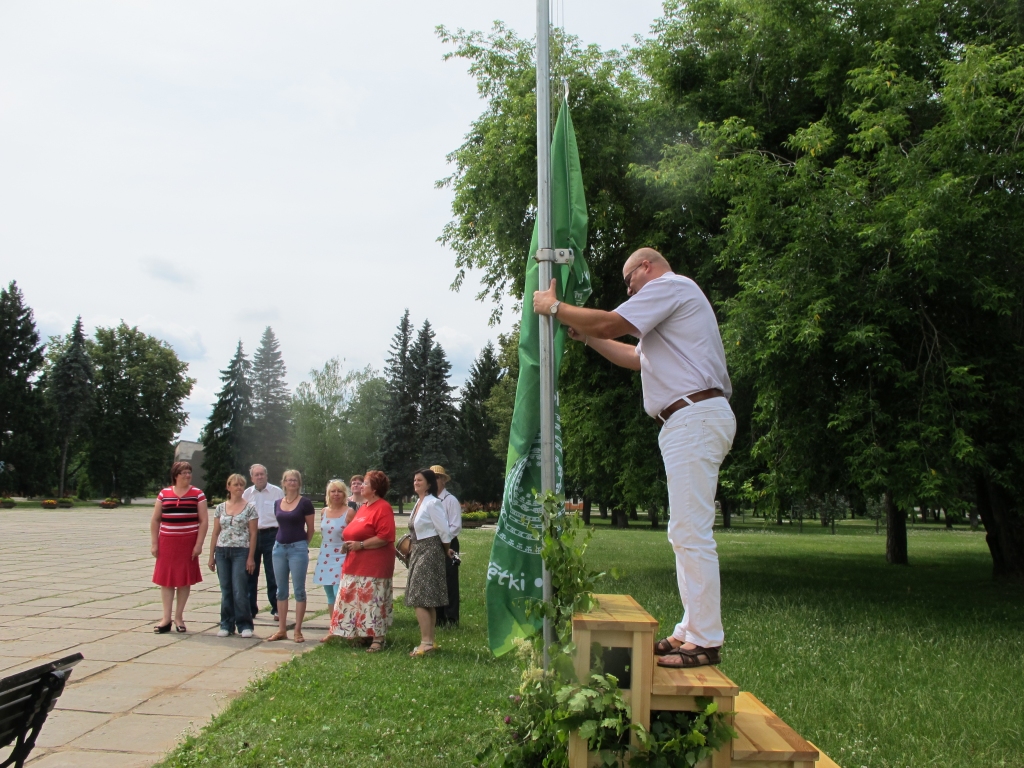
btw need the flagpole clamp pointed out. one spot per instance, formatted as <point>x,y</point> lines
<point>555,255</point>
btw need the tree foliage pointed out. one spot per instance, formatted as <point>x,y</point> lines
<point>69,388</point>
<point>336,416</point>
<point>228,435</point>
<point>843,181</point>
<point>26,455</point>
<point>271,406</point>
<point>140,387</point>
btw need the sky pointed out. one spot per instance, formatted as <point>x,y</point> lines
<point>204,169</point>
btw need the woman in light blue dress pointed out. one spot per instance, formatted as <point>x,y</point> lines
<point>333,519</point>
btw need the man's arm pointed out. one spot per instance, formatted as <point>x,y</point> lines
<point>595,327</point>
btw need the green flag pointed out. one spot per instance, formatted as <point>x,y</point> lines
<point>514,571</point>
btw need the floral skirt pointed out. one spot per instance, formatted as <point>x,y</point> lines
<point>363,607</point>
<point>426,586</point>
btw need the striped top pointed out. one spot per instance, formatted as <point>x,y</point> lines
<point>179,515</point>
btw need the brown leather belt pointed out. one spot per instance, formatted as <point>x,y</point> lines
<point>696,397</point>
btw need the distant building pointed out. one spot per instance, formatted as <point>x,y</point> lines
<point>193,454</point>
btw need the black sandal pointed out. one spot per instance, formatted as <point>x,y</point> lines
<point>376,646</point>
<point>162,629</point>
<point>664,646</point>
<point>691,657</point>
<point>181,627</point>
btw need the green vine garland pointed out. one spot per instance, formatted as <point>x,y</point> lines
<point>549,706</point>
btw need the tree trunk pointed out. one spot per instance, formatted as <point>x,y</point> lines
<point>652,512</point>
<point>896,532</point>
<point>620,519</point>
<point>1004,529</point>
<point>726,513</point>
<point>63,466</point>
<point>603,509</point>
<point>633,515</point>
<point>778,515</point>
<point>949,520</point>
<point>585,512</point>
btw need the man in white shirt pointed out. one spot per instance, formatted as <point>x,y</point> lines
<point>263,495</point>
<point>686,387</point>
<point>449,615</point>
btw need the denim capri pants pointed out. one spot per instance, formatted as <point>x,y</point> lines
<point>294,559</point>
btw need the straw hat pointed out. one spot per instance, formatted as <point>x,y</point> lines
<point>438,470</point>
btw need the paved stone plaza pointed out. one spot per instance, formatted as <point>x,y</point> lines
<point>79,581</point>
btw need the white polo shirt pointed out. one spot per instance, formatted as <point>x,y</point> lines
<point>453,511</point>
<point>680,347</point>
<point>264,503</point>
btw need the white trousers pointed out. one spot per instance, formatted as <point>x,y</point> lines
<point>694,442</point>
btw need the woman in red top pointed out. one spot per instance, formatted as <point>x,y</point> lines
<point>363,606</point>
<point>177,530</point>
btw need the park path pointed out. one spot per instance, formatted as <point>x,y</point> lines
<point>79,581</point>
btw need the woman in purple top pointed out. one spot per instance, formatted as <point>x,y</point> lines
<point>291,552</point>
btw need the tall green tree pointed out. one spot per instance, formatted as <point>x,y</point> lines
<point>336,416</point>
<point>227,437</point>
<point>481,471</point>
<point>69,388</point>
<point>436,425</point>
<point>140,389</point>
<point>271,405</point>
<point>26,457</point>
<point>398,450</point>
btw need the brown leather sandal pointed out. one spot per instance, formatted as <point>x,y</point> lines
<point>686,658</point>
<point>664,646</point>
<point>279,635</point>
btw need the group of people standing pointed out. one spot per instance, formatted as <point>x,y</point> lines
<point>275,525</point>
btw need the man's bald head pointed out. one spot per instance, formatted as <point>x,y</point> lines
<point>641,267</point>
<point>647,254</point>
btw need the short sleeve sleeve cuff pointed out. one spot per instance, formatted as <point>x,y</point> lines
<point>649,306</point>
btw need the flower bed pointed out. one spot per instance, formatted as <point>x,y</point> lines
<point>48,503</point>
<point>7,503</point>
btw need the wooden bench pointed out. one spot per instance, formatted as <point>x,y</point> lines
<point>25,700</point>
<point>765,741</point>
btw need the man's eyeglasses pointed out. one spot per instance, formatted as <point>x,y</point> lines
<point>629,275</point>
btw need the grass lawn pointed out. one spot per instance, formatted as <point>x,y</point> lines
<point>880,666</point>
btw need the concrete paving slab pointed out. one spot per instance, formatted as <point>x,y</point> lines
<point>196,704</point>
<point>102,622</point>
<point>159,675</point>
<point>18,633</point>
<point>39,645</point>
<point>64,726</point>
<point>219,679</point>
<point>112,651</point>
<point>138,733</point>
<point>97,696</point>
<point>187,654</point>
<point>83,759</point>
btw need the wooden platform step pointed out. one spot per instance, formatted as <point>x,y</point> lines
<point>765,741</point>
<point>676,690</point>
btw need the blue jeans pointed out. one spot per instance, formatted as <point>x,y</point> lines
<point>264,548</point>
<point>234,588</point>
<point>294,559</point>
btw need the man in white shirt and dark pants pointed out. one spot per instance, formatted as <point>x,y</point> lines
<point>263,495</point>
<point>686,387</point>
<point>449,615</point>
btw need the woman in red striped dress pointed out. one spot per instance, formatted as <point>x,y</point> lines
<point>177,531</point>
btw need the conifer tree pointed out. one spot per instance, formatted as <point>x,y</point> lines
<point>227,438</point>
<point>436,426</point>
<point>271,403</point>
<point>481,471</point>
<point>25,459</point>
<point>398,437</point>
<point>69,387</point>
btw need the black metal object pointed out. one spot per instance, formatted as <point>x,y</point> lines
<point>25,700</point>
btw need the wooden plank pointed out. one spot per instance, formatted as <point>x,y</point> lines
<point>640,679</point>
<point>697,681</point>
<point>764,737</point>
<point>578,755</point>
<point>616,612</point>
<point>614,638</point>
<point>581,637</point>
<point>773,764</point>
<point>688,703</point>
<point>824,761</point>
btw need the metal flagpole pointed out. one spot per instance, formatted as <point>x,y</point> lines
<point>544,260</point>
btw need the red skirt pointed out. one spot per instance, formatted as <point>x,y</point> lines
<point>175,566</point>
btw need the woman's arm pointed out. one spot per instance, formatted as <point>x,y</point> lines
<point>213,542</point>
<point>310,526</point>
<point>204,523</point>
<point>154,529</point>
<point>440,520</point>
<point>374,542</point>
<point>250,564</point>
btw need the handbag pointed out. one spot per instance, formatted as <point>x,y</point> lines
<point>403,548</point>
